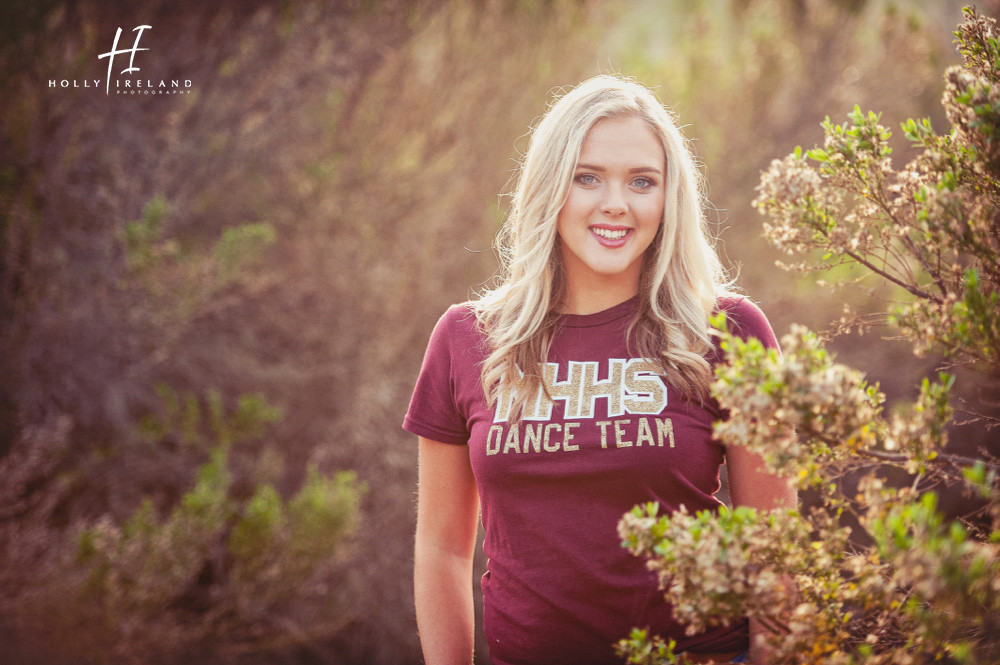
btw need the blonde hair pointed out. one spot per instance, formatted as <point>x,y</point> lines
<point>681,276</point>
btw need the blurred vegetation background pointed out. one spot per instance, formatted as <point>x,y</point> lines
<point>213,305</point>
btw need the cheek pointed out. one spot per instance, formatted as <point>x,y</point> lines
<point>575,203</point>
<point>573,211</point>
<point>561,221</point>
<point>652,210</point>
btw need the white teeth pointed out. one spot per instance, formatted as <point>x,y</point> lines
<point>609,234</point>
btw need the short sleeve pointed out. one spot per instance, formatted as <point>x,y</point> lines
<point>434,412</point>
<point>745,320</point>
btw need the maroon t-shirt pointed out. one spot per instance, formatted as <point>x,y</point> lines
<point>559,588</point>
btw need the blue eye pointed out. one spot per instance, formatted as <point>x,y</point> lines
<point>643,183</point>
<point>586,179</point>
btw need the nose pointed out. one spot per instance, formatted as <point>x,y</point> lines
<point>613,202</point>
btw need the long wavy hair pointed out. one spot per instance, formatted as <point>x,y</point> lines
<point>681,277</point>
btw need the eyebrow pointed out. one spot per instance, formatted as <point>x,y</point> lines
<point>601,169</point>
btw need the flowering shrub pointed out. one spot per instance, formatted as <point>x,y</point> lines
<point>875,571</point>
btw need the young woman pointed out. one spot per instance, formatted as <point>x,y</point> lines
<point>575,390</point>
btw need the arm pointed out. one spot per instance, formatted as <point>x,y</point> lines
<point>447,519</point>
<point>750,486</point>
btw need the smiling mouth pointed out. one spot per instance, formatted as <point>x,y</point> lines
<point>609,234</point>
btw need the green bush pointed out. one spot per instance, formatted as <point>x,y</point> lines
<point>219,567</point>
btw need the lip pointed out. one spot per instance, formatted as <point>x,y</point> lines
<point>611,242</point>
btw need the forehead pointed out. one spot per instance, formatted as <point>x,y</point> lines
<point>625,140</point>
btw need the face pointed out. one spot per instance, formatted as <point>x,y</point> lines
<point>614,208</point>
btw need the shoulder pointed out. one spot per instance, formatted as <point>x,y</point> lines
<point>459,320</point>
<point>460,312</point>
<point>745,319</point>
<point>457,331</point>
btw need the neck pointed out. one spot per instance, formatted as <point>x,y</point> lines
<point>593,300</point>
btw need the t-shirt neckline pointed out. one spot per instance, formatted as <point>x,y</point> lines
<point>619,311</point>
